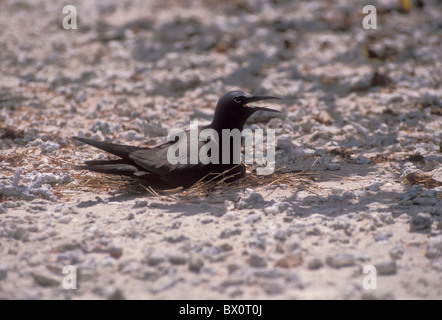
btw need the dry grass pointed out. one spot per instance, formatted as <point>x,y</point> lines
<point>251,180</point>
<point>203,188</point>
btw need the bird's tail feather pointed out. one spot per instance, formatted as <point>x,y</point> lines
<point>112,168</point>
<point>104,162</point>
<point>120,150</point>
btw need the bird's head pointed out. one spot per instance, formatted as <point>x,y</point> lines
<point>233,109</point>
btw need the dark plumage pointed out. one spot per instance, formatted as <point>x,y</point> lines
<point>152,164</point>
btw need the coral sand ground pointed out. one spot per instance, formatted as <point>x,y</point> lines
<point>361,110</point>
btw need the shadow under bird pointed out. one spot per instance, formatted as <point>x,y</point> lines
<point>152,163</point>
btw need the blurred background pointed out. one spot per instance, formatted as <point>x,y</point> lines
<point>156,61</point>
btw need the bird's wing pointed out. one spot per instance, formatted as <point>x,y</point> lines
<point>156,160</point>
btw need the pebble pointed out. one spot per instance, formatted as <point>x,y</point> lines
<point>432,193</point>
<point>424,201</point>
<point>434,248</point>
<point>259,243</point>
<point>387,218</point>
<point>409,195</point>
<point>36,185</point>
<point>12,204</point>
<point>314,264</point>
<point>17,232</point>
<point>233,292</point>
<point>69,245</point>
<point>140,203</point>
<point>333,166</point>
<point>16,178</point>
<point>257,261</point>
<point>397,252</point>
<point>101,125</point>
<point>303,195</point>
<point>69,210</point>
<point>227,233</point>
<point>177,259</point>
<point>176,225</point>
<point>269,273</point>
<point>333,198</point>
<point>274,287</point>
<point>116,294</point>
<point>337,190</point>
<point>374,186</point>
<point>115,251</point>
<point>132,135</point>
<point>386,267</point>
<point>130,216</point>
<point>348,195</point>
<point>284,142</point>
<point>3,272</point>
<point>250,200</point>
<point>226,247</point>
<point>362,160</point>
<point>176,239</point>
<point>195,264</point>
<point>45,279</point>
<point>64,219</point>
<point>360,194</point>
<point>254,217</point>
<point>381,237</point>
<point>108,261</point>
<point>293,243</point>
<point>437,265</point>
<point>230,216</point>
<point>271,210</point>
<point>49,147</point>
<point>281,235</point>
<point>420,222</point>
<point>155,260</point>
<point>212,251</point>
<point>341,260</point>
<point>278,207</point>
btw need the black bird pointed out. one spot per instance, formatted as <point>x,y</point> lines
<point>152,164</point>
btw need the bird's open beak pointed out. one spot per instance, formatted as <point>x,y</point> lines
<point>259,98</point>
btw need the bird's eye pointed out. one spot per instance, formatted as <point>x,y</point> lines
<point>237,100</point>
